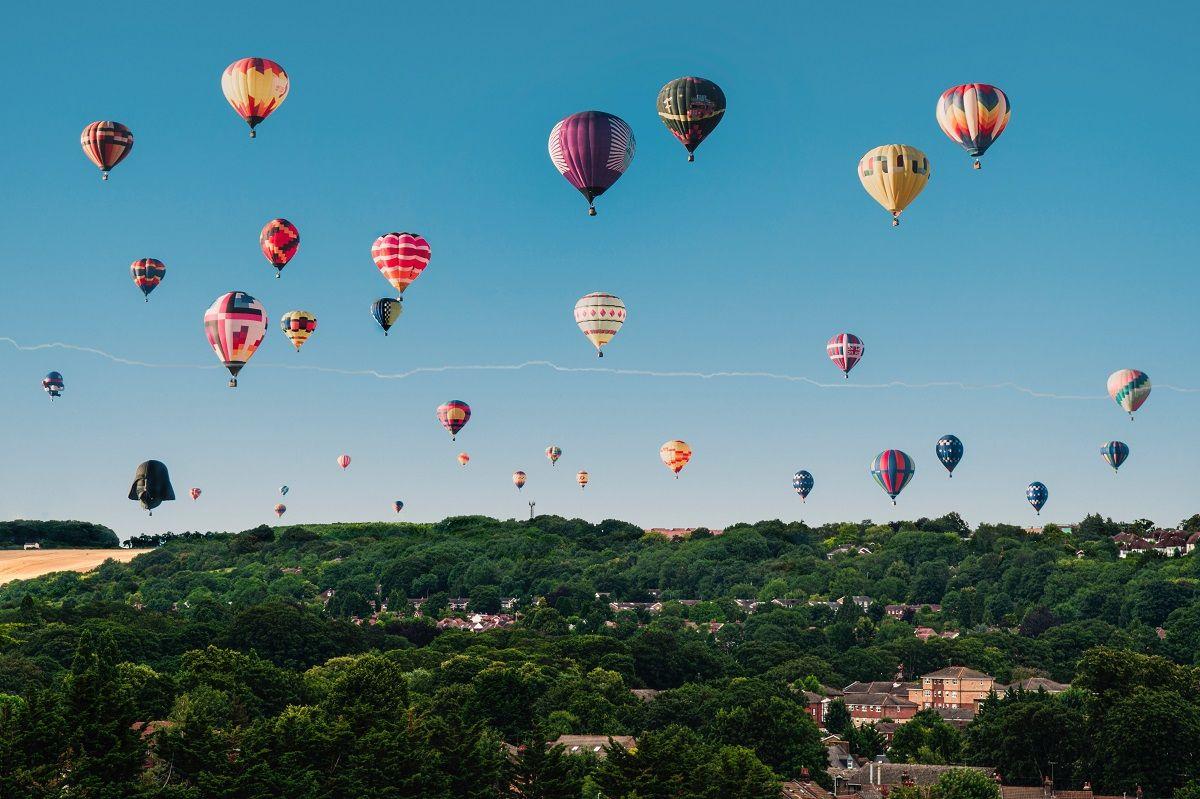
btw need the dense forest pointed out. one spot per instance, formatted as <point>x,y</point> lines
<point>55,534</point>
<point>264,663</point>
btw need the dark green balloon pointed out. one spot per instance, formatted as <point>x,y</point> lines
<point>691,108</point>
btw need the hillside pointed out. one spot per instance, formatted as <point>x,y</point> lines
<point>298,647</point>
<point>50,534</point>
<point>16,564</point>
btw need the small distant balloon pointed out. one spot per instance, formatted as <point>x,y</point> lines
<point>463,459</point>
<point>106,144</point>
<point>519,479</point>
<point>591,150</point>
<point>283,491</point>
<point>147,273</point>
<point>298,326</point>
<point>195,492</point>
<point>385,311</point>
<point>280,509</point>
<point>1037,494</point>
<point>343,461</point>
<point>553,453</point>
<point>893,470</point>
<point>582,479</point>
<point>1129,388</point>
<point>894,175</point>
<point>1114,453</point>
<point>454,415</point>
<point>279,241</point>
<point>53,384</point>
<point>949,451</point>
<point>255,87</point>
<point>600,316</point>
<point>675,454</point>
<point>802,481</point>
<point>845,350</point>
<point>398,505</point>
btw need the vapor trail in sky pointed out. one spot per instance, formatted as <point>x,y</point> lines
<point>955,384</point>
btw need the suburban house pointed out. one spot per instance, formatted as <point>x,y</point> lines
<point>868,708</point>
<point>818,703</point>
<point>955,686</point>
<point>847,549</point>
<point>596,744</point>
<point>875,780</point>
<point>676,533</point>
<point>1035,684</point>
<point>1168,543</point>
<point>925,633</point>
<point>803,788</point>
<point>899,611</point>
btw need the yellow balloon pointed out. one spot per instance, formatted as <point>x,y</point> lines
<point>894,174</point>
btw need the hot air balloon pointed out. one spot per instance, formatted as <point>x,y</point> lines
<point>974,115</point>
<point>195,492</point>
<point>1037,494</point>
<point>893,470</point>
<point>675,454</point>
<point>582,479</point>
<point>106,144</point>
<point>519,480</point>
<point>802,481</point>
<point>1114,453</point>
<point>53,384</point>
<point>343,461</point>
<point>691,108</point>
<point>845,350</point>
<point>255,87</point>
<point>463,459</point>
<point>283,491</point>
<point>235,325</point>
<point>151,485</point>
<point>280,509</point>
<point>147,273</point>
<point>949,451</point>
<point>1130,388</point>
<point>599,316</point>
<point>298,326</point>
<point>553,453</point>
<point>894,175</point>
<point>398,505</point>
<point>591,150</point>
<point>454,415</point>
<point>401,258</point>
<point>386,311</point>
<point>279,241</point>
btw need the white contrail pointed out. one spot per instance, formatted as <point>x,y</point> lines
<point>1007,385</point>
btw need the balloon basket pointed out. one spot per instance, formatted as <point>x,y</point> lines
<point>691,158</point>
<point>591,208</point>
<point>104,175</point>
<point>253,133</point>
<point>977,164</point>
<point>233,382</point>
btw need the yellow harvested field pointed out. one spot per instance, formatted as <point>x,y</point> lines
<point>21,564</point>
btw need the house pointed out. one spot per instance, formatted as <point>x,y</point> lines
<point>847,549</point>
<point>925,633</point>
<point>955,686</point>
<point>677,533</point>
<point>863,602</point>
<point>596,744</point>
<point>875,780</point>
<point>1168,543</point>
<point>818,703</point>
<point>900,611</point>
<point>634,607</point>
<point>459,603</point>
<point>893,687</point>
<point>803,788</point>
<point>956,717</point>
<point>867,708</point>
<point>1035,684</point>
<point>508,603</point>
<point>478,623</point>
<point>1048,791</point>
<point>746,605</point>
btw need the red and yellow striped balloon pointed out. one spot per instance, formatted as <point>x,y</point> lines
<point>401,258</point>
<point>106,144</point>
<point>675,454</point>
<point>298,326</point>
<point>582,479</point>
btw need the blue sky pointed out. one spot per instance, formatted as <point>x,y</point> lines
<point>1071,254</point>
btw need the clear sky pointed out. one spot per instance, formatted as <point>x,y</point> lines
<point>1070,255</point>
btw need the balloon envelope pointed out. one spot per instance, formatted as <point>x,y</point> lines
<point>283,491</point>
<point>973,115</point>
<point>385,311</point>
<point>298,326</point>
<point>600,316</point>
<point>1129,388</point>
<point>949,451</point>
<point>280,509</point>
<point>519,480</point>
<point>691,108</point>
<point>591,150</point>
<point>845,350</point>
<point>463,459</point>
<point>147,273</point>
<point>675,454</point>
<point>454,415</point>
<point>553,453</point>
<point>53,384</point>
<point>401,258</point>
<point>893,470</point>
<point>106,144</point>
<point>151,485</point>
<point>279,241</point>
<point>398,505</point>
<point>235,325</point>
<point>343,461</point>
<point>894,175</point>
<point>195,492</point>
<point>802,481</point>
<point>1037,494</point>
<point>1114,453</point>
<point>255,87</point>
<point>582,479</point>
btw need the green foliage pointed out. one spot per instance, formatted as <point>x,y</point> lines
<point>56,534</point>
<point>962,783</point>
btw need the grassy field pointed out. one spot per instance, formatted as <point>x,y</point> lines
<point>21,564</point>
